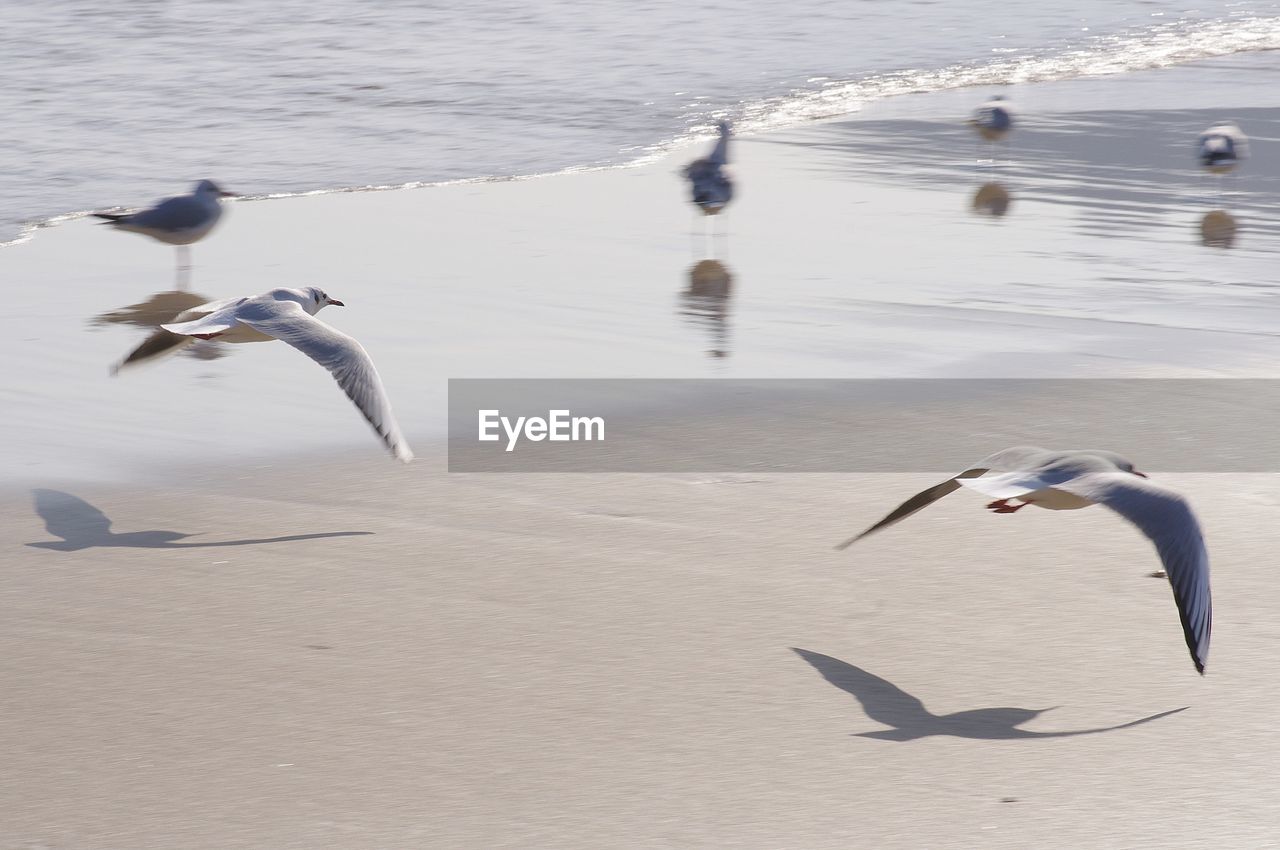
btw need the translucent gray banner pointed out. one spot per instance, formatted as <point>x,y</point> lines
<point>705,426</point>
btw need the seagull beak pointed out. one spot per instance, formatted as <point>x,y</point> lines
<point>340,304</point>
<point>1140,474</point>
<point>223,193</point>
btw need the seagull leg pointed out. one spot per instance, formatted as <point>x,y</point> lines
<point>1002,506</point>
<point>183,277</point>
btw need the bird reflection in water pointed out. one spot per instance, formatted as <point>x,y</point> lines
<point>991,199</point>
<point>706,302</point>
<point>153,312</point>
<point>1218,229</point>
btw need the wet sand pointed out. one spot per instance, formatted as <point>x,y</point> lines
<point>582,661</point>
<point>852,251</point>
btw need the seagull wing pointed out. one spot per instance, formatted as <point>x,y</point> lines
<point>181,213</point>
<point>207,308</point>
<point>1019,457</point>
<point>209,323</point>
<point>1167,520</point>
<point>342,355</point>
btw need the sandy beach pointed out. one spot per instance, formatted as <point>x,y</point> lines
<point>228,619</point>
<point>585,661</point>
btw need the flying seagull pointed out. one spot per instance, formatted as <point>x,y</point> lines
<point>712,189</point>
<point>1067,480</point>
<point>289,315</point>
<point>178,221</point>
<point>1222,147</point>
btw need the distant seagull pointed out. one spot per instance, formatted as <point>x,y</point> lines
<point>1066,480</point>
<point>993,120</point>
<point>1222,147</point>
<point>711,186</point>
<point>178,221</point>
<point>288,315</point>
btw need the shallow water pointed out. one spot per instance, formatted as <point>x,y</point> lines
<point>118,105</point>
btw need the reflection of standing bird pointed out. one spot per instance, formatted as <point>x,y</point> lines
<point>1218,229</point>
<point>993,120</point>
<point>991,199</point>
<point>1222,147</point>
<point>1077,479</point>
<point>712,188</point>
<point>706,301</point>
<point>176,221</point>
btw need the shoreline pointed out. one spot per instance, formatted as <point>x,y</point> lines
<point>588,275</point>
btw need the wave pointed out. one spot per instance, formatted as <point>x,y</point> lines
<point>1159,46</point>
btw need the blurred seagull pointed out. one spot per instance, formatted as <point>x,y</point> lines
<point>1067,480</point>
<point>1222,147</point>
<point>289,315</point>
<point>993,120</point>
<point>712,188</point>
<point>178,221</point>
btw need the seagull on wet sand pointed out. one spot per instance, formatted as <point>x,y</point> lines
<point>711,187</point>
<point>1068,480</point>
<point>289,315</point>
<point>178,221</point>
<point>993,120</point>
<point>1221,148</point>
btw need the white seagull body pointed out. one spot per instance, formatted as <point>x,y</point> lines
<point>175,221</point>
<point>1069,480</point>
<point>289,315</point>
<point>1222,147</point>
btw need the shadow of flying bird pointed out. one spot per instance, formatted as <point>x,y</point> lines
<point>886,703</point>
<point>82,526</point>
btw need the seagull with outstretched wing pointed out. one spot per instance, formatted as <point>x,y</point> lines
<point>1069,480</point>
<point>289,315</point>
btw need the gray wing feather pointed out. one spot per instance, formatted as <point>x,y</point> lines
<point>207,308</point>
<point>1009,460</point>
<point>343,356</point>
<point>181,213</point>
<point>1168,521</point>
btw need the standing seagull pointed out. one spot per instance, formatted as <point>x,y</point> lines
<point>712,188</point>
<point>176,221</point>
<point>1067,480</point>
<point>993,120</point>
<point>289,315</point>
<point>1221,148</point>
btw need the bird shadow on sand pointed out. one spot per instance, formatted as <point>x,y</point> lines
<point>888,704</point>
<point>82,526</point>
